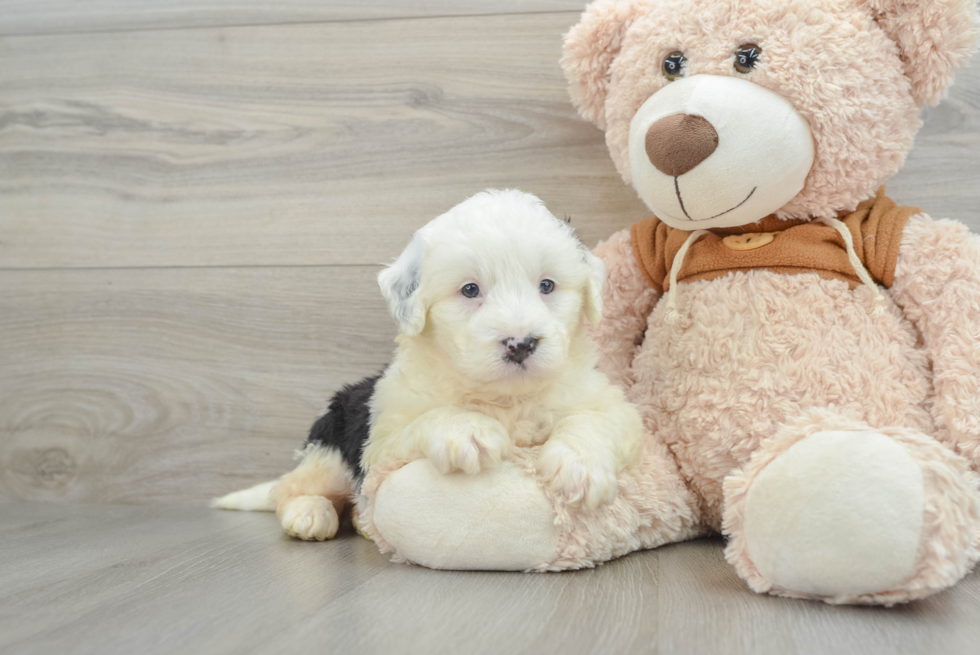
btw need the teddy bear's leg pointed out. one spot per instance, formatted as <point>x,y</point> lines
<point>833,509</point>
<point>497,519</point>
<point>502,519</point>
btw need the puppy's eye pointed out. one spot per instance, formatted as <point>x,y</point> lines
<point>546,286</point>
<point>470,290</point>
<point>673,66</point>
<point>747,57</point>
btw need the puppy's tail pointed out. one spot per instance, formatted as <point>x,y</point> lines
<point>253,499</point>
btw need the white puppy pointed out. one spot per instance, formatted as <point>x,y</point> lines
<point>494,301</point>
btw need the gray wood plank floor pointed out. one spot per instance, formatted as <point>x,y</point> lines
<point>125,579</point>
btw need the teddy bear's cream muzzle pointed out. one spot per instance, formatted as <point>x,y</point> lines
<point>710,151</point>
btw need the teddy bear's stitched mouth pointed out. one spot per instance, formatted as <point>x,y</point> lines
<point>677,189</point>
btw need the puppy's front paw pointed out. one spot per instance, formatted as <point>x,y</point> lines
<point>311,518</point>
<point>468,443</point>
<point>581,478</point>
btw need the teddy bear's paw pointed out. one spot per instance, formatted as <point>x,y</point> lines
<point>853,515</point>
<point>858,535</point>
<point>582,478</point>
<point>469,443</point>
<point>311,518</point>
<point>498,520</point>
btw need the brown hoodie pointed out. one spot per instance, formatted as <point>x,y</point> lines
<point>790,247</point>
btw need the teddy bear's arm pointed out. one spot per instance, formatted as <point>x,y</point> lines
<point>627,302</point>
<point>937,284</point>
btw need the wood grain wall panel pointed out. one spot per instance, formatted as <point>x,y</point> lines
<point>942,173</point>
<point>299,144</point>
<point>172,385</point>
<point>326,143</point>
<point>68,16</point>
<point>191,219</point>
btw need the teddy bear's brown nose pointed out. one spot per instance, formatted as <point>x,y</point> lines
<point>678,143</point>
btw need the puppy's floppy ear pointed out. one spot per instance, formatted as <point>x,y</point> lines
<point>399,284</point>
<point>594,286</point>
<point>934,37</point>
<point>589,50</point>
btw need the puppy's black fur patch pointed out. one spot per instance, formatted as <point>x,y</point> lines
<point>346,424</point>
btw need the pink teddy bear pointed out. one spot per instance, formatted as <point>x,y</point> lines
<point>805,353</point>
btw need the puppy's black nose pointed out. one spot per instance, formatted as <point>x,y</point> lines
<point>518,351</point>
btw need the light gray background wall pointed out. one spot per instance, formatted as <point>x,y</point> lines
<point>195,198</point>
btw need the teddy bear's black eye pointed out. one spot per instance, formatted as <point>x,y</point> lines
<point>546,286</point>
<point>470,290</point>
<point>747,57</point>
<point>674,65</point>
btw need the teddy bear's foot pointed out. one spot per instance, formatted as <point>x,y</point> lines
<point>497,519</point>
<point>852,515</point>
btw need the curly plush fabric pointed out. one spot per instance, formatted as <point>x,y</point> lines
<point>934,39</point>
<point>632,297</point>
<point>760,360</point>
<point>753,350</point>
<point>939,288</point>
<point>843,65</point>
<point>590,48</point>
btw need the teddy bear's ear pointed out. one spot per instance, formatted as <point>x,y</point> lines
<point>589,50</point>
<point>935,37</point>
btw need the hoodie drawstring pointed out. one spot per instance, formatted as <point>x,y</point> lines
<point>862,272</point>
<point>672,315</point>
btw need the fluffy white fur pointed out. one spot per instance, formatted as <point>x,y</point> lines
<point>452,396</point>
<point>310,498</point>
<point>253,499</point>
